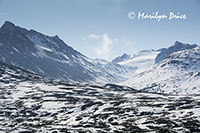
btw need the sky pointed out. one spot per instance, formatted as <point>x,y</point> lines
<point>105,28</point>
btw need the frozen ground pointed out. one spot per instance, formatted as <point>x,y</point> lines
<point>29,103</point>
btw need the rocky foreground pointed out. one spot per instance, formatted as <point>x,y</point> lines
<point>32,107</point>
<point>29,103</point>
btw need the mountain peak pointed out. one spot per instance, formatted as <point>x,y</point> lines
<point>8,23</point>
<point>121,58</point>
<point>125,55</point>
<point>8,27</point>
<point>184,45</point>
<point>177,43</point>
<point>178,46</point>
<point>56,37</point>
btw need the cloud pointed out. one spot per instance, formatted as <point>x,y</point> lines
<point>94,36</point>
<point>105,46</point>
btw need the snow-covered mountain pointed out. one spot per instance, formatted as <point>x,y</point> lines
<point>51,57</point>
<point>179,73</point>
<point>146,59</point>
<point>178,46</point>
<point>141,61</point>
<point>30,103</point>
<point>119,59</point>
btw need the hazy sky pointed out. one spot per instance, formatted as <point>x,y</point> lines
<point>101,28</point>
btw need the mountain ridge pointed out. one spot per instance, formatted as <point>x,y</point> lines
<point>177,74</point>
<point>178,46</point>
<point>51,57</point>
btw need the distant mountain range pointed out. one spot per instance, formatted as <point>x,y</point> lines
<point>168,70</point>
<point>53,58</point>
<point>179,73</point>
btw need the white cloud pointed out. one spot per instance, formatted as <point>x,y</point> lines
<point>94,36</point>
<point>105,46</point>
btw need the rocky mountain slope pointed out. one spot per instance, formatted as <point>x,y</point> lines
<point>119,59</point>
<point>179,73</point>
<point>30,103</point>
<point>178,46</point>
<point>53,58</point>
